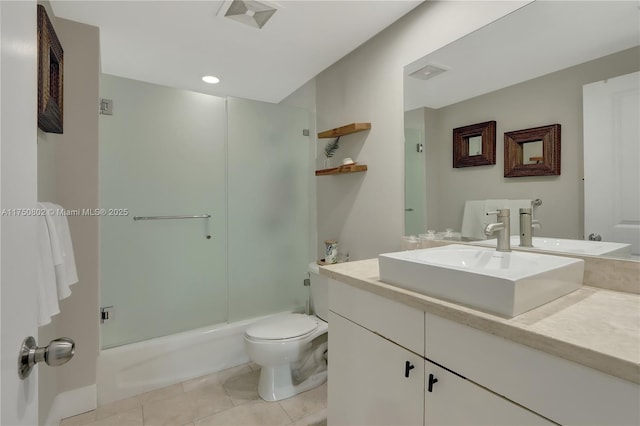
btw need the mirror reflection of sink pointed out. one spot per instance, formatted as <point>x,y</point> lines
<point>507,284</point>
<point>580,247</point>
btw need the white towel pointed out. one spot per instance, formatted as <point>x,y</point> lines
<point>46,275</point>
<point>61,248</point>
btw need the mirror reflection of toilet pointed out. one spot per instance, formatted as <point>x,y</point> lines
<point>292,348</point>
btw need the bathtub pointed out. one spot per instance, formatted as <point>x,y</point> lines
<point>141,367</point>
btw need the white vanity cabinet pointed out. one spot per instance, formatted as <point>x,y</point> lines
<point>379,376</point>
<point>373,381</point>
<point>563,391</point>
<point>481,378</point>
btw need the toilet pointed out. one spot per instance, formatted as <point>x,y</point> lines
<point>292,348</point>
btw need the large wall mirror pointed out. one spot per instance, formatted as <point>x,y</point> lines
<point>573,63</point>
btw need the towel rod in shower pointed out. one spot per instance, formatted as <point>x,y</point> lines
<point>202,216</point>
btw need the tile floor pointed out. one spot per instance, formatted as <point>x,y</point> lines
<point>229,397</point>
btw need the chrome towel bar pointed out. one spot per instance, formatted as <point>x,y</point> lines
<point>202,216</point>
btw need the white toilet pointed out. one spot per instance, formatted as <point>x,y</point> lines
<point>292,348</point>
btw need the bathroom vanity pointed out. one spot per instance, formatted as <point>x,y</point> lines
<point>399,357</point>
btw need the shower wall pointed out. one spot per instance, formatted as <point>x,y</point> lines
<point>168,152</point>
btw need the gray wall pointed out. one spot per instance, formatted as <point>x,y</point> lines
<point>364,211</point>
<point>68,175</point>
<point>554,98</point>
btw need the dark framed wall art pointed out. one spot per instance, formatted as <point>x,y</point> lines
<point>50,76</point>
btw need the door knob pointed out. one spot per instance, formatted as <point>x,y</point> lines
<point>595,237</point>
<point>57,352</point>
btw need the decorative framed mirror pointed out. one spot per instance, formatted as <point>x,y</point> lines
<point>532,152</point>
<point>474,145</point>
<point>50,76</point>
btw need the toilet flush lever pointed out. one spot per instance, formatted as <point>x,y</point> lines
<point>407,368</point>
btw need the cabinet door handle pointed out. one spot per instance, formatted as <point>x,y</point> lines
<point>407,368</point>
<point>432,381</point>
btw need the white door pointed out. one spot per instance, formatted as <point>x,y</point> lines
<point>611,160</point>
<point>18,139</point>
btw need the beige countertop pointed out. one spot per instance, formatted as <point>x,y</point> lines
<point>594,327</point>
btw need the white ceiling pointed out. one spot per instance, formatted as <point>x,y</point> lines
<point>540,38</point>
<point>175,43</point>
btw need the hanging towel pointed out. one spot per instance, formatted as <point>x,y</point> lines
<point>46,276</point>
<point>61,248</point>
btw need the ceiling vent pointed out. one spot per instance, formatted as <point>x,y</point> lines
<point>427,72</point>
<point>249,12</point>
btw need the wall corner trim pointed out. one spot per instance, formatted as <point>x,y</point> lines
<point>72,403</point>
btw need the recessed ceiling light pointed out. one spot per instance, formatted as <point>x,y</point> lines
<point>210,79</point>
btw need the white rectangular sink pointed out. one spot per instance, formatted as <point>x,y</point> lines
<point>560,245</point>
<point>507,284</point>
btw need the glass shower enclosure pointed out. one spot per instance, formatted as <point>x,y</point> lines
<point>206,210</point>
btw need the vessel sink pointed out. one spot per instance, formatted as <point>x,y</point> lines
<point>560,245</point>
<point>503,283</point>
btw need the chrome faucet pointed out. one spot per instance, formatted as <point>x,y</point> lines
<point>527,223</point>
<point>502,228</point>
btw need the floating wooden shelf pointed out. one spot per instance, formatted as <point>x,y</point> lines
<point>344,130</point>
<point>353,168</point>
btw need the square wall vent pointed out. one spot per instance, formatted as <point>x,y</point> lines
<point>249,12</point>
<point>428,71</point>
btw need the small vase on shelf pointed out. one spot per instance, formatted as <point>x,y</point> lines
<point>329,150</point>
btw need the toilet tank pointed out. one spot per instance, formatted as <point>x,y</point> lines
<point>319,292</point>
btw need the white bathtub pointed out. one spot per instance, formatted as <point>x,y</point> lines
<point>140,367</point>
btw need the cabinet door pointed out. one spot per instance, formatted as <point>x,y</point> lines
<point>367,383</point>
<point>452,400</point>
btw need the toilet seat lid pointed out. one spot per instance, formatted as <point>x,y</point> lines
<point>283,327</point>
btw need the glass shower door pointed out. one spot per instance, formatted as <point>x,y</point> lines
<point>162,153</point>
<point>167,152</point>
<point>268,187</point>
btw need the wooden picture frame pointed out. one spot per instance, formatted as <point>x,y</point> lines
<point>545,163</point>
<point>50,76</point>
<point>482,136</point>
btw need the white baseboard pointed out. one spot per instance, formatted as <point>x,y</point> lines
<point>72,403</point>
